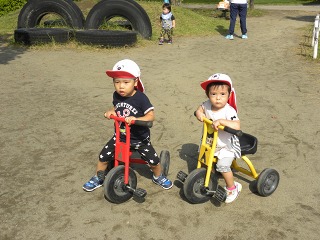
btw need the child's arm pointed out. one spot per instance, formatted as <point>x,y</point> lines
<point>148,117</point>
<point>110,112</point>
<point>200,113</point>
<point>173,23</point>
<point>235,124</point>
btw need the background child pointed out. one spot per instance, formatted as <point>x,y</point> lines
<point>129,102</point>
<point>219,90</point>
<point>168,22</point>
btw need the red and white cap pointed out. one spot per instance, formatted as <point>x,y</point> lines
<point>221,77</point>
<point>126,68</point>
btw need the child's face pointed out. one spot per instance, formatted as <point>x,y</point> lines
<point>165,10</point>
<point>125,87</point>
<point>218,96</point>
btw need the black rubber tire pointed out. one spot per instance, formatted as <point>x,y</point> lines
<point>33,11</point>
<point>114,182</point>
<point>165,162</point>
<point>106,38</point>
<point>128,9</point>
<point>268,181</point>
<point>31,36</point>
<point>194,183</point>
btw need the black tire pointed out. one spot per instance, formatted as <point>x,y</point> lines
<point>106,38</point>
<point>193,186</point>
<point>31,36</point>
<point>165,162</point>
<point>33,11</point>
<point>114,189</point>
<point>128,9</point>
<point>268,181</point>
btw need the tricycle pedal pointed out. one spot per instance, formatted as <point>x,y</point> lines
<point>182,176</point>
<point>221,194</point>
<point>139,192</point>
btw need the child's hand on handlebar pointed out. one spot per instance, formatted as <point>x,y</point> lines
<point>216,124</point>
<point>130,119</point>
<point>107,114</point>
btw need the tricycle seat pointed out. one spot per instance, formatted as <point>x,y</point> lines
<point>248,144</point>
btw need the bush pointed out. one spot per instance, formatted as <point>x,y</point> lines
<point>7,6</point>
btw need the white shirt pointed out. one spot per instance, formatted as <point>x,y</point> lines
<point>224,147</point>
<point>239,1</point>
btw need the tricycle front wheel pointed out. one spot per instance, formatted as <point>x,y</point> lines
<point>268,181</point>
<point>194,189</point>
<point>114,187</point>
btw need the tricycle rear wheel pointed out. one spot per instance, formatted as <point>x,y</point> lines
<point>194,189</point>
<point>267,182</point>
<point>114,187</point>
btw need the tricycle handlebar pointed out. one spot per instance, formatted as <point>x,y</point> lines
<point>134,122</point>
<point>238,133</point>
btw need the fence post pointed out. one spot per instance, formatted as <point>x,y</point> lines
<point>314,32</point>
<point>315,36</point>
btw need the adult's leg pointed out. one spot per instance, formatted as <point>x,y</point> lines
<point>233,17</point>
<point>243,18</point>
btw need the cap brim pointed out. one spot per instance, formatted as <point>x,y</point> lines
<point>123,74</point>
<point>119,74</point>
<point>206,83</point>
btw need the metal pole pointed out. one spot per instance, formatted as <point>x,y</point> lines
<point>314,32</point>
<point>316,37</point>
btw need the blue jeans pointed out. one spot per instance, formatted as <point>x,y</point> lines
<point>236,9</point>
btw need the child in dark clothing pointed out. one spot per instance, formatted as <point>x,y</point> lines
<point>129,102</point>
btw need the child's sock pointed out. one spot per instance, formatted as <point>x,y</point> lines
<point>232,188</point>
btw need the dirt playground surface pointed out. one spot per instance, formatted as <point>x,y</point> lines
<point>52,130</point>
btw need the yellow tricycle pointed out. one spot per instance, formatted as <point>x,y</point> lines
<point>202,184</point>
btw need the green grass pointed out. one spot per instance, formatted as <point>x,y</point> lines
<point>205,22</point>
<point>270,2</point>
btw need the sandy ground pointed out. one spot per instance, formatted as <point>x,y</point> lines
<point>52,129</point>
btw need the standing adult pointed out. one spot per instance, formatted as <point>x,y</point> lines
<point>238,7</point>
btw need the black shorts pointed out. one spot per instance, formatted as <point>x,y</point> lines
<point>144,148</point>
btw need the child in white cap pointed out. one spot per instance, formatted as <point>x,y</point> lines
<point>129,102</point>
<point>221,108</point>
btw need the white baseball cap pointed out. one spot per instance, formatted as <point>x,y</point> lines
<point>126,68</point>
<point>221,77</point>
<point>217,77</point>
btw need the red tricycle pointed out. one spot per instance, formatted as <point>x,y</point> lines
<point>121,181</point>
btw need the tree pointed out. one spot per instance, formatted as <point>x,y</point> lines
<point>251,4</point>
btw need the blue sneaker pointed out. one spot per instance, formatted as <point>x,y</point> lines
<point>244,36</point>
<point>92,184</point>
<point>229,37</point>
<point>163,181</point>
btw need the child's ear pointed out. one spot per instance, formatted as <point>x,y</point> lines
<point>136,82</point>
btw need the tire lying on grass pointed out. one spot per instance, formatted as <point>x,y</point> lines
<point>33,11</point>
<point>106,38</point>
<point>130,10</point>
<point>31,36</point>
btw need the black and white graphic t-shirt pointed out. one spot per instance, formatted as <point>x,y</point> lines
<point>138,105</point>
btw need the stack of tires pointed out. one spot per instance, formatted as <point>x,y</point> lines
<point>74,25</point>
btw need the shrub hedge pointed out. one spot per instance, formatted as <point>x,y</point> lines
<point>7,6</point>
